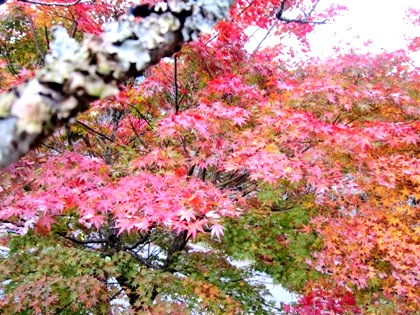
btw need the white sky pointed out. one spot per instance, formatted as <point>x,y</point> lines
<point>382,21</point>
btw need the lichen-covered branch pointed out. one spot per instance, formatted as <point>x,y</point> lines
<point>77,74</point>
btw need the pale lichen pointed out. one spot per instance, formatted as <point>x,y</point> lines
<point>6,102</point>
<point>30,109</point>
<point>79,73</point>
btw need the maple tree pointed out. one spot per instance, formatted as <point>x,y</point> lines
<point>309,169</point>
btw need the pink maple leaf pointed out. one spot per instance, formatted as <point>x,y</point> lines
<point>217,231</point>
<point>45,221</point>
<point>186,214</point>
<point>124,224</point>
<point>410,139</point>
<point>143,224</point>
<point>194,227</point>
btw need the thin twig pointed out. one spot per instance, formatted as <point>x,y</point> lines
<point>94,131</point>
<point>58,4</point>
<point>265,37</point>
<point>176,84</point>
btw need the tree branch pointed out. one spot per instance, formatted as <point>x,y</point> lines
<point>47,3</point>
<point>302,20</point>
<point>143,261</point>
<point>41,54</point>
<point>93,131</point>
<point>76,75</point>
<point>178,244</point>
<point>83,242</point>
<point>142,239</point>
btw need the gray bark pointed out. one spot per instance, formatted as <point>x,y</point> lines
<point>77,74</point>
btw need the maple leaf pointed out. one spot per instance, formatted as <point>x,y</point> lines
<point>238,120</point>
<point>306,229</point>
<point>125,224</point>
<point>194,227</point>
<point>368,43</point>
<point>45,221</point>
<point>187,215</point>
<point>363,142</point>
<point>410,139</point>
<point>143,224</point>
<point>217,231</point>
<point>97,221</point>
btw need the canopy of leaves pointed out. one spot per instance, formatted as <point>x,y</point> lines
<point>308,169</point>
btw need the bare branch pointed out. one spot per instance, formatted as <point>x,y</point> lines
<point>265,36</point>
<point>47,3</point>
<point>93,131</point>
<point>143,261</point>
<point>41,54</point>
<point>83,242</point>
<point>302,20</point>
<point>141,240</point>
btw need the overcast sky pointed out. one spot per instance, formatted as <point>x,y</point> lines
<point>382,21</point>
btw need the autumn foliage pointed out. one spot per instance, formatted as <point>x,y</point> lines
<point>307,168</point>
